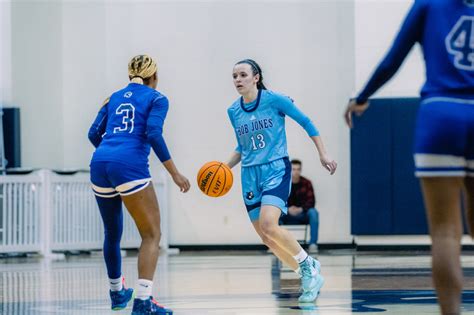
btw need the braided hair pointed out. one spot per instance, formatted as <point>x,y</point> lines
<point>140,68</point>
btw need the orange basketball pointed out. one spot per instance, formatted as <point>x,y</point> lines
<point>215,179</point>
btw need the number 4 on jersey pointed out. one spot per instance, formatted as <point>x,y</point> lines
<point>460,43</point>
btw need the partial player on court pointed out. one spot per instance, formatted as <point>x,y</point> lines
<point>444,133</point>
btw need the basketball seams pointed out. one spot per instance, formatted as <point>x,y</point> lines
<point>204,172</point>
<point>225,181</point>
<point>210,181</point>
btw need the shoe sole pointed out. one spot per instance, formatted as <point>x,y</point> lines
<point>124,306</point>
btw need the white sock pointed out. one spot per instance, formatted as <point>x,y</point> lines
<point>144,288</point>
<point>116,284</point>
<point>301,256</point>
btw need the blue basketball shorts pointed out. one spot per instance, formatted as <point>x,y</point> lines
<point>110,179</point>
<point>266,184</point>
<point>444,137</point>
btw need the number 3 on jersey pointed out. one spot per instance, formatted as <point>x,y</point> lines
<point>259,143</point>
<point>127,111</point>
<point>460,43</point>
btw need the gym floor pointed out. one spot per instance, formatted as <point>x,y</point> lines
<point>226,283</point>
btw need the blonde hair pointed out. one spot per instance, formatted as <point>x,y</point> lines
<point>141,67</point>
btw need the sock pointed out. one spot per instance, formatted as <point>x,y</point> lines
<point>301,256</point>
<point>116,284</point>
<point>144,288</point>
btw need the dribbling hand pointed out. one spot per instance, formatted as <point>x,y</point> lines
<point>182,182</point>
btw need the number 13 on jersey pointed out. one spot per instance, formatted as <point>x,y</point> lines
<point>258,142</point>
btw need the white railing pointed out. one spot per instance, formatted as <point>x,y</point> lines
<point>45,212</point>
<point>20,210</point>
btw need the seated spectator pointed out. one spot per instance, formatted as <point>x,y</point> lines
<point>302,205</point>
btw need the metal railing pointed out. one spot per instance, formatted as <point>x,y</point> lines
<point>45,212</point>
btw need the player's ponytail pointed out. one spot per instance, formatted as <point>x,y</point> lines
<point>255,70</point>
<point>140,68</point>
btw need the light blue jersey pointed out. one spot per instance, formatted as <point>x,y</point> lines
<point>260,127</point>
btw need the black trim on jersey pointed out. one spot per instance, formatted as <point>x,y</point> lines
<point>256,104</point>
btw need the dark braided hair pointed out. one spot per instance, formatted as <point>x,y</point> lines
<point>255,70</point>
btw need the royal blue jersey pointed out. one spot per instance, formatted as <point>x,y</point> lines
<point>129,122</point>
<point>445,29</point>
<point>260,127</point>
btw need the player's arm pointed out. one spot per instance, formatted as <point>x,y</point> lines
<point>155,122</point>
<point>234,159</point>
<point>410,32</point>
<point>287,107</point>
<point>97,130</point>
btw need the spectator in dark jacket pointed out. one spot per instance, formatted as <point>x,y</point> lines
<point>302,205</point>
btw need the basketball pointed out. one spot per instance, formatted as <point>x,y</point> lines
<point>215,179</point>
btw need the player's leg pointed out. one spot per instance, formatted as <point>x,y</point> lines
<point>281,253</point>
<point>441,165</point>
<point>311,279</point>
<point>442,201</point>
<point>138,195</point>
<point>143,207</point>
<point>276,189</point>
<point>469,198</point>
<point>110,207</point>
<point>252,195</point>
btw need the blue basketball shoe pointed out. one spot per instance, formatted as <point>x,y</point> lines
<point>121,298</point>
<point>149,307</point>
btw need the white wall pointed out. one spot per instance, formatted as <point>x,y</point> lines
<point>377,23</point>
<point>84,73</point>
<point>319,52</point>
<point>196,44</point>
<point>5,53</point>
<point>37,81</point>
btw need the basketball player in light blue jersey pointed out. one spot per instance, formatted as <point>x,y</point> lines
<point>444,134</point>
<point>258,118</point>
<point>128,124</point>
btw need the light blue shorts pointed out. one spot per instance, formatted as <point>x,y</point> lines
<point>266,184</point>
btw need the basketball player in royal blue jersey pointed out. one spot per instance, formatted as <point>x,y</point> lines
<point>444,135</point>
<point>129,122</point>
<point>258,119</point>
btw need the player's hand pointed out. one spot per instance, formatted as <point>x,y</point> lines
<point>328,163</point>
<point>352,107</point>
<point>182,182</point>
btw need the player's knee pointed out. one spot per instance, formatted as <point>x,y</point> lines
<point>152,234</point>
<point>269,229</point>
